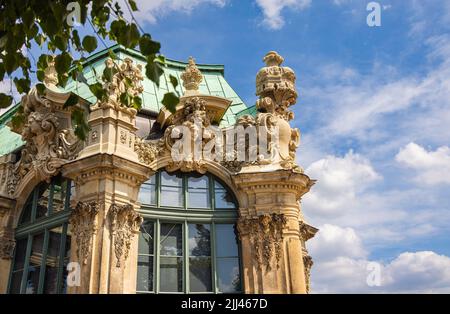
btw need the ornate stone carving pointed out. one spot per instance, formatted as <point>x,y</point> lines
<point>308,263</point>
<point>7,246</point>
<point>192,77</point>
<point>147,151</point>
<point>306,231</point>
<point>125,223</point>
<point>47,144</point>
<point>84,227</point>
<point>191,119</point>
<point>50,74</point>
<point>266,237</point>
<point>275,86</point>
<point>125,78</point>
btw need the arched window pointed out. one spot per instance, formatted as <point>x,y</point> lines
<point>188,240</point>
<point>43,241</point>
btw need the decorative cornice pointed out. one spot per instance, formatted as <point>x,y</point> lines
<point>307,232</point>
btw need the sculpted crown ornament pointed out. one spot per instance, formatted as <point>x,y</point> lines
<point>275,85</point>
<point>192,77</point>
<point>126,79</point>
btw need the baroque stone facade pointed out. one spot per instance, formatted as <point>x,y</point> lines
<point>107,171</point>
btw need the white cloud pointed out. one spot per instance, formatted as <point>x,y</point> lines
<point>272,10</point>
<point>341,266</point>
<point>151,11</point>
<point>340,181</point>
<point>333,241</point>
<point>432,167</point>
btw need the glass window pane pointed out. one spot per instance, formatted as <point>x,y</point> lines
<point>26,211</point>
<point>171,239</point>
<point>199,240</point>
<point>171,274</point>
<point>19,257</point>
<point>16,280</point>
<point>59,195</point>
<point>171,196</point>
<point>171,179</point>
<point>146,238</point>
<point>226,241</point>
<point>34,266</point>
<point>43,199</point>
<point>198,182</point>
<point>200,274</point>
<point>52,261</point>
<point>145,273</point>
<point>223,197</point>
<point>171,190</point>
<point>228,275</point>
<point>198,198</point>
<point>66,259</point>
<point>198,192</point>
<point>147,194</point>
<point>19,260</point>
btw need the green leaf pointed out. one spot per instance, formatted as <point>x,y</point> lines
<point>173,81</point>
<point>40,88</point>
<point>125,99</point>
<point>148,46</point>
<point>81,128</point>
<point>153,70</point>
<point>42,63</point>
<point>62,63</point>
<point>97,90</point>
<point>108,73</point>
<point>170,101</point>
<point>22,85</point>
<point>60,43</point>
<point>5,100</point>
<point>137,102</point>
<point>76,39</point>
<point>71,101</point>
<point>133,5</point>
<point>89,43</point>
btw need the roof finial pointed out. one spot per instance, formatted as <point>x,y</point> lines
<point>192,77</point>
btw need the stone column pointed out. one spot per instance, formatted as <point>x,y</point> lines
<point>7,241</point>
<point>270,233</point>
<point>107,176</point>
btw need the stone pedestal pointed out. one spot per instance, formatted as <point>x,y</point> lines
<point>269,231</point>
<point>104,223</point>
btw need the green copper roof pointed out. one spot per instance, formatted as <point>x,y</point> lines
<point>213,83</point>
<point>247,111</point>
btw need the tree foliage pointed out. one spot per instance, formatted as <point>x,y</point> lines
<point>49,24</point>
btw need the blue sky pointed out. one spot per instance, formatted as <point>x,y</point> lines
<point>374,110</point>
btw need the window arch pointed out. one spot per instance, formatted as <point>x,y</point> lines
<point>186,216</point>
<point>43,240</point>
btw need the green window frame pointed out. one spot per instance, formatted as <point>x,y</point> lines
<point>206,214</point>
<point>43,241</point>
